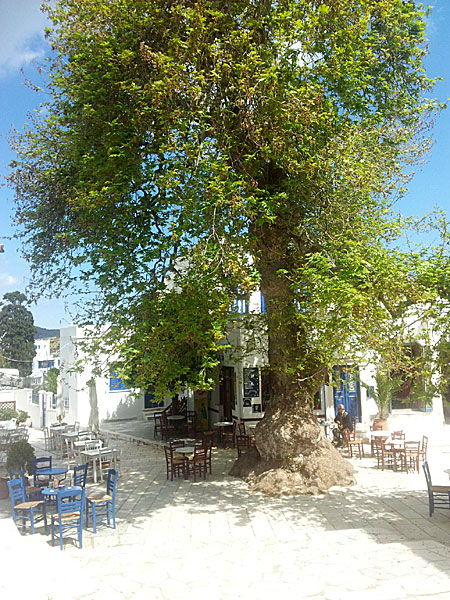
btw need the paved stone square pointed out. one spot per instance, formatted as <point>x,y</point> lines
<point>182,540</point>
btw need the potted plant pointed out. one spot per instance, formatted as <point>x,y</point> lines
<point>382,392</point>
<point>20,455</point>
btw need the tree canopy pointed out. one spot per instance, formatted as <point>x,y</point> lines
<point>16,333</point>
<point>192,150</point>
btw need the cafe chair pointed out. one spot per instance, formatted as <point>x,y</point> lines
<point>353,443</point>
<point>31,492</point>
<point>167,429</point>
<point>25,510</point>
<point>411,455</point>
<point>79,475</point>
<point>103,507</point>
<point>72,455</point>
<point>48,440</point>
<point>175,465</point>
<point>69,515</point>
<point>423,449</point>
<point>45,462</point>
<point>198,464</point>
<point>243,443</point>
<point>228,437</point>
<point>438,495</point>
<point>156,424</point>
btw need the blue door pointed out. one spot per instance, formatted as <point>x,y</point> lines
<point>44,400</point>
<point>346,389</point>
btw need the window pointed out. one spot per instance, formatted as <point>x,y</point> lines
<point>115,383</point>
<point>413,392</point>
<point>35,397</point>
<point>46,364</point>
<point>66,402</point>
<point>54,401</point>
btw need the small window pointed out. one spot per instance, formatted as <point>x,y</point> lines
<point>115,383</point>
<point>35,397</point>
<point>66,402</point>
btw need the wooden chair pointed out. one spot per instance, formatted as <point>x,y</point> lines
<point>72,455</point>
<point>31,492</point>
<point>228,437</point>
<point>191,423</point>
<point>209,437</point>
<point>438,495</point>
<point>157,424</point>
<point>175,465</point>
<point>198,464</point>
<point>398,435</point>
<point>69,515</point>
<point>352,442</point>
<point>376,427</point>
<point>167,430</point>
<point>243,443</point>
<point>44,462</point>
<point>241,428</point>
<point>423,449</point>
<point>48,440</point>
<point>22,509</point>
<point>410,455</point>
<point>104,506</point>
<point>386,456</point>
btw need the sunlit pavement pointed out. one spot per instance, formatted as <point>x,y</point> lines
<point>181,540</point>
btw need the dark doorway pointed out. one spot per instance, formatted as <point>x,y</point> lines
<point>227,394</point>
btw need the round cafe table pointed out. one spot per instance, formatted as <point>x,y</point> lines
<point>52,471</point>
<point>185,450</point>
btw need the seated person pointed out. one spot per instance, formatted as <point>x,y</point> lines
<point>344,422</point>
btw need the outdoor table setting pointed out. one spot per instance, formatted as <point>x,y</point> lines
<point>99,454</point>
<point>222,426</point>
<point>185,451</point>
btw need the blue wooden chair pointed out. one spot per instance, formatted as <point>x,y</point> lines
<point>69,515</point>
<point>104,507</point>
<point>45,462</point>
<point>31,492</point>
<point>79,475</point>
<point>22,509</point>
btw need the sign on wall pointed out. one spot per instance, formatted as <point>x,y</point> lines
<point>251,382</point>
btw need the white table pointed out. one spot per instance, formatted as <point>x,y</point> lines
<point>95,455</point>
<point>176,418</point>
<point>223,424</point>
<point>185,450</point>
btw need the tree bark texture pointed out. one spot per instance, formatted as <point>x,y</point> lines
<point>292,454</point>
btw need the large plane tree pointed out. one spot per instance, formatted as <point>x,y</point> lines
<point>197,149</point>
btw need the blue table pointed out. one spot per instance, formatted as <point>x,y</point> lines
<point>51,471</point>
<point>52,493</point>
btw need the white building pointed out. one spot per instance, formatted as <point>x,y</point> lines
<point>114,401</point>
<point>47,356</point>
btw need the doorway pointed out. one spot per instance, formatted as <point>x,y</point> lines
<point>346,389</point>
<point>227,392</point>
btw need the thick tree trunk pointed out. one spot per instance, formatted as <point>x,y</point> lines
<point>292,454</point>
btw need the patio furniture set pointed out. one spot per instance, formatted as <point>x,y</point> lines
<point>61,498</point>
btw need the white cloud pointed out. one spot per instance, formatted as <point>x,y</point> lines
<point>7,280</point>
<point>21,33</point>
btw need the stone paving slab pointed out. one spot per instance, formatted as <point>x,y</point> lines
<point>182,540</point>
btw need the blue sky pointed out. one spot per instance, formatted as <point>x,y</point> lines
<point>22,42</point>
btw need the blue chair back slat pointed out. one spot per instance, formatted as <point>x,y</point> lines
<point>111,483</point>
<point>104,509</point>
<point>80,474</point>
<point>44,462</point>
<point>16,491</point>
<point>69,501</point>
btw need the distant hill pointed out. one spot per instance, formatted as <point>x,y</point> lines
<point>42,332</point>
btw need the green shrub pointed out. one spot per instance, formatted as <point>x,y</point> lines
<point>22,416</point>
<point>20,455</point>
<point>6,414</point>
